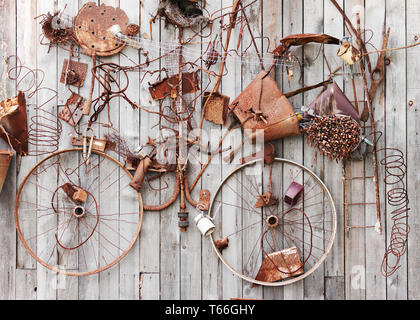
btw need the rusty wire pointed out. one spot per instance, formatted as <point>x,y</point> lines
<point>44,128</point>
<point>397,198</point>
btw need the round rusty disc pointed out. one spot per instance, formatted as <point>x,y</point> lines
<point>91,27</point>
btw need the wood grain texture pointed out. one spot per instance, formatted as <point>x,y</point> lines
<point>167,264</point>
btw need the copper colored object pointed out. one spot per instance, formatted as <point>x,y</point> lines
<point>266,200</point>
<point>204,201</point>
<point>292,194</point>
<point>76,73</point>
<point>168,86</point>
<point>98,144</point>
<point>69,190</point>
<point>13,118</point>
<point>72,111</point>
<point>305,38</point>
<point>222,244</point>
<point>91,27</point>
<point>280,265</point>
<point>5,158</point>
<point>80,196</point>
<point>141,171</point>
<point>333,101</point>
<point>217,107</point>
<point>263,109</point>
<point>133,29</point>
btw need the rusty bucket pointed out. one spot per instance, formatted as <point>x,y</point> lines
<point>263,109</point>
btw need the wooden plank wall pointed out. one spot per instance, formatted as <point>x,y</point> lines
<point>167,264</point>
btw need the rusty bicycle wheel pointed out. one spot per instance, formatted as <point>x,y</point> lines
<point>275,224</point>
<point>75,217</point>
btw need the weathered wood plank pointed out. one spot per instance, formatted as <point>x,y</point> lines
<point>232,285</point>
<point>355,260</point>
<point>334,264</point>
<point>293,146</point>
<point>130,121</point>
<point>149,237</point>
<point>375,243</point>
<point>313,17</point>
<point>7,90</point>
<point>413,156</point>
<point>273,28</point>
<point>211,273</point>
<point>396,122</point>
<point>47,62</point>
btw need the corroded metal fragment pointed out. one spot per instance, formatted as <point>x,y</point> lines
<point>91,29</point>
<point>280,265</point>
<point>13,118</point>
<point>263,109</point>
<point>74,73</point>
<point>168,87</point>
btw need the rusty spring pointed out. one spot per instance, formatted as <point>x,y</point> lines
<point>397,198</point>
<point>44,128</point>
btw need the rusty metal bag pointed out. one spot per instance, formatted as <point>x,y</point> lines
<point>263,108</point>
<point>13,118</point>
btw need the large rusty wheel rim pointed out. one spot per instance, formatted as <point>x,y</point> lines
<point>136,231</point>
<point>273,225</point>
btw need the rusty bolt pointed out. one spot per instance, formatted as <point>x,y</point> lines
<point>416,38</point>
<point>411,103</point>
<point>387,61</point>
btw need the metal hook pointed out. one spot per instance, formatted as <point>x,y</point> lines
<point>87,152</point>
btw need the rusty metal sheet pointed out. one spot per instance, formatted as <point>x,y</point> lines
<point>168,86</point>
<point>217,107</point>
<point>263,109</point>
<point>73,110</point>
<point>280,265</point>
<point>76,73</point>
<point>13,118</point>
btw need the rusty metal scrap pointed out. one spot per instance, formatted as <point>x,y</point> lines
<point>335,136</point>
<point>222,244</point>
<point>168,87</point>
<point>266,200</point>
<point>217,107</point>
<point>280,265</point>
<point>54,30</point>
<point>97,145</point>
<point>13,119</point>
<point>263,109</point>
<point>73,110</point>
<point>74,73</point>
<point>91,27</point>
<point>305,38</point>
